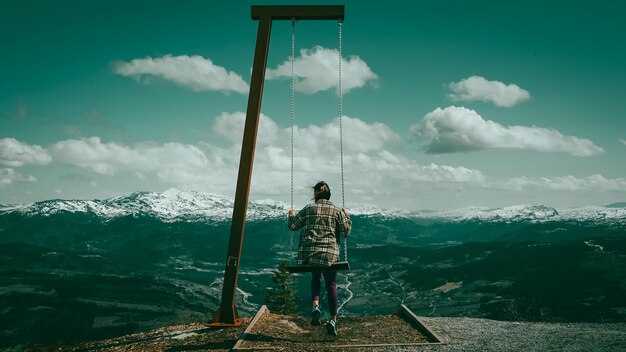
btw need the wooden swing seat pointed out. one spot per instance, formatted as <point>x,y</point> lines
<point>311,268</point>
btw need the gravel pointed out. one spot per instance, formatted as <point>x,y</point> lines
<point>470,334</point>
<point>292,333</point>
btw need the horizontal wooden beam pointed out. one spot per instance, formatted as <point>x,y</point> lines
<point>299,12</point>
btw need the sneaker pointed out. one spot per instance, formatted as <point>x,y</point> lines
<point>331,327</point>
<point>316,316</point>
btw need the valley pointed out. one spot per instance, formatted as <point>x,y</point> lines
<point>68,276</point>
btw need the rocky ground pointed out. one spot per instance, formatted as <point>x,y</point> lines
<point>290,333</point>
<point>294,333</point>
<point>187,337</point>
<point>469,334</point>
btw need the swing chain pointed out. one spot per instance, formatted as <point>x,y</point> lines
<point>343,195</point>
<point>293,51</point>
<point>293,78</point>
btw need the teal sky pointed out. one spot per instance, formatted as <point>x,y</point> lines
<point>452,103</point>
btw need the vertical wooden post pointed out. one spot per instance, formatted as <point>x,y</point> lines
<point>227,312</point>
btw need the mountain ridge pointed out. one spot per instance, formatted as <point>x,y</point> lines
<point>177,205</point>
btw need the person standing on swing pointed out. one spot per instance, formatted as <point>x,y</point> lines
<point>321,224</point>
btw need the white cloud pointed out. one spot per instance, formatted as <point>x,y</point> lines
<point>230,126</point>
<point>311,141</point>
<point>172,162</point>
<point>211,167</point>
<point>477,88</point>
<point>372,169</point>
<point>14,153</point>
<point>458,129</point>
<point>567,183</point>
<point>368,163</point>
<point>358,135</point>
<point>195,72</point>
<point>317,69</point>
<point>8,176</point>
<point>393,170</point>
<point>623,141</point>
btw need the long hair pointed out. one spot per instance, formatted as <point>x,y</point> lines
<point>321,190</point>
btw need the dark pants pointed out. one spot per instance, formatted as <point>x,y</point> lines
<point>330,279</point>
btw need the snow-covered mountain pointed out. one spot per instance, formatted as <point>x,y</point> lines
<point>170,205</point>
<point>594,213</point>
<point>529,213</point>
<point>508,214</point>
<point>175,205</point>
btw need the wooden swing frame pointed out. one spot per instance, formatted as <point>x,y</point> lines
<point>226,314</point>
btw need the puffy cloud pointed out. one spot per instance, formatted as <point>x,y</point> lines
<point>567,183</point>
<point>173,162</point>
<point>398,168</point>
<point>14,153</point>
<point>8,176</point>
<point>358,136</point>
<point>623,141</point>
<point>230,126</point>
<point>317,69</point>
<point>370,166</point>
<point>477,88</point>
<point>195,72</point>
<point>457,129</point>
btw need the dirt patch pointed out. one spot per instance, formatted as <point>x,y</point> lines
<point>460,335</point>
<point>295,333</point>
<point>195,336</point>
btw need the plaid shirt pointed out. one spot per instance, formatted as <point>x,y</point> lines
<point>320,226</point>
